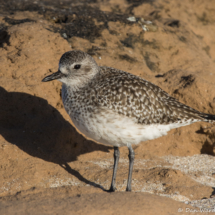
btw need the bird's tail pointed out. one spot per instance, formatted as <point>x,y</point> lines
<point>208,117</point>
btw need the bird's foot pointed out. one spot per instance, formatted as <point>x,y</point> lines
<point>112,189</point>
<point>128,189</point>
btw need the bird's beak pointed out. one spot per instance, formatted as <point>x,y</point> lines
<point>53,76</point>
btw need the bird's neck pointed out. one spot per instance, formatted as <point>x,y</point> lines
<point>78,84</point>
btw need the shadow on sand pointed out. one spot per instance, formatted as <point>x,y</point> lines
<point>37,128</point>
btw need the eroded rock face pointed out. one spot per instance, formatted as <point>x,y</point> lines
<point>40,148</point>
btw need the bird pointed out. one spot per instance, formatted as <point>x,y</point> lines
<point>117,108</point>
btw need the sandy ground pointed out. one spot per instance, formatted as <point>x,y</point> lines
<point>46,166</point>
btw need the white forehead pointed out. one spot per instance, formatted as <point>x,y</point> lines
<point>63,69</point>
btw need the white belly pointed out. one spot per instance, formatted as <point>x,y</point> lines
<point>109,128</point>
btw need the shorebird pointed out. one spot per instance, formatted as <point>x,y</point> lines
<point>117,108</point>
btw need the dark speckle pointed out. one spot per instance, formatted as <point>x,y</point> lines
<point>182,39</point>
<point>173,23</point>
<point>16,21</point>
<point>127,58</point>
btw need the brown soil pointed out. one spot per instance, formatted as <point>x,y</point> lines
<point>45,202</point>
<point>45,161</point>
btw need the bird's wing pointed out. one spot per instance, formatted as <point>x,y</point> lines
<point>135,97</point>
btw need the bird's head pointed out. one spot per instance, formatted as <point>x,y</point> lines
<point>75,68</point>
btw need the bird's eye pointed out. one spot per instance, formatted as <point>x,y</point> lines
<point>77,66</point>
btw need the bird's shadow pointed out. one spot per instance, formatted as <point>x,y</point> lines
<point>39,129</point>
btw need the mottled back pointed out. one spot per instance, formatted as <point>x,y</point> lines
<point>135,97</point>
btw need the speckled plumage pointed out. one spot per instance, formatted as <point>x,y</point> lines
<point>120,96</point>
<point>117,108</point>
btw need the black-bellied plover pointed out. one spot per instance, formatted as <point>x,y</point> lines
<point>117,108</point>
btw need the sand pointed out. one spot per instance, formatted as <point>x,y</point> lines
<point>46,166</point>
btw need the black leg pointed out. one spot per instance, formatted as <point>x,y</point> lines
<point>131,163</point>
<point>116,160</point>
